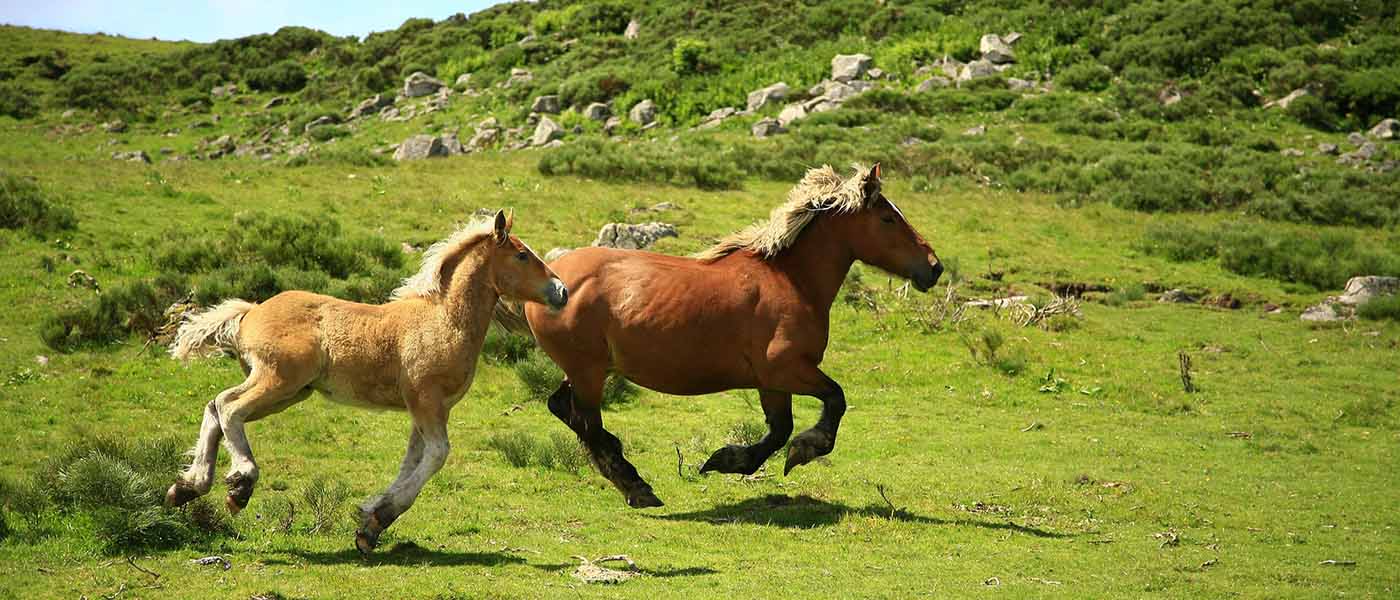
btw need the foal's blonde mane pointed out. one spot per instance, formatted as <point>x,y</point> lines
<point>821,190</point>
<point>429,280</point>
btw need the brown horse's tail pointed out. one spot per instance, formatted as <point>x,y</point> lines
<point>510,316</point>
<point>217,327</point>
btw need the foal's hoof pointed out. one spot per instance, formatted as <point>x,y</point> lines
<point>806,447</point>
<point>179,495</point>
<point>730,459</point>
<point>365,541</point>
<point>644,499</point>
<point>234,507</point>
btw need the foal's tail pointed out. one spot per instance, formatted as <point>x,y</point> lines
<point>218,325</point>
<point>510,316</point>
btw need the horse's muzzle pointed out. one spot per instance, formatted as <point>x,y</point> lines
<point>556,295</point>
<point>926,276</point>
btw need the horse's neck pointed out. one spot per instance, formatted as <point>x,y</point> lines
<point>817,263</point>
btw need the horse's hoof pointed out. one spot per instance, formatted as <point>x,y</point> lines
<point>365,542</point>
<point>806,447</point>
<point>730,459</point>
<point>644,499</point>
<point>233,506</point>
<point>179,495</point>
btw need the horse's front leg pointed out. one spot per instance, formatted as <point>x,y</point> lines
<point>821,438</point>
<point>427,452</point>
<point>777,411</point>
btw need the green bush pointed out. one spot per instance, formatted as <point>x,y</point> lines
<point>516,447</point>
<point>1321,259</point>
<point>286,76</point>
<point>325,500</point>
<point>539,375</point>
<point>561,452</point>
<point>1381,308</point>
<point>18,100</point>
<point>504,347</point>
<point>688,56</point>
<point>1085,77</point>
<point>25,207</point>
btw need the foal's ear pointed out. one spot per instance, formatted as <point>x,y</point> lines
<point>502,229</point>
<point>872,183</point>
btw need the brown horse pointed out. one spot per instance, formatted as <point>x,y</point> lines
<point>416,353</point>
<point>750,313</point>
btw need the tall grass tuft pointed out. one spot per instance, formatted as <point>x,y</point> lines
<point>325,500</point>
<point>24,207</point>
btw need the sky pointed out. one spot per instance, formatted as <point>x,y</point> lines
<point>209,20</point>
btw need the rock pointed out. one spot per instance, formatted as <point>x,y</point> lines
<point>977,69</point>
<point>760,98</point>
<point>420,84</point>
<point>1387,129</point>
<point>950,67</point>
<point>517,77</point>
<point>1286,100</point>
<point>274,102</point>
<point>612,124</point>
<point>1178,296</point>
<point>419,147</point>
<point>837,91</point>
<point>1019,85</point>
<point>1010,39</point>
<point>484,138</point>
<point>532,119</point>
<point>546,132</point>
<point>716,117</point>
<point>80,278</point>
<point>133,156</point>
<point>546,104</point>
<point>643,113</point>
<point>845,67</point>
<point>596,111</point>
<point>1291,152</point>
<point>933,83</point>
<point>488,123</point>
<point>790,113</point>
<point>463,81</point>
<point>766,127</point>
<point>371,105</point>
<point>821,104</point>
<point>70,113</point>
<point>227,90</point>
<point>1322,313</point>
<point>1169,95</point>
<point>634,29</point>
<point>1360,290</point>
<point>1356,138</point>
<point>975,131</point>
<point>320,121</point>
<point>221,146</point>
<point>633,237</point>
<point>995,50</point>
<point>114,126</point>
<point>452,144</point>
<point>555,253</point>
<point>1326,148</point>
<point>553,144</point>
<point>876,73</point>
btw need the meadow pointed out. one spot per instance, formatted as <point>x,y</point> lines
<point>985,450</point>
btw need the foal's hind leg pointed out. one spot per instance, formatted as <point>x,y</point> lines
<point>578,407</point>
<point>777,411</point>
<point>270,393</point>
<point>199,476</point>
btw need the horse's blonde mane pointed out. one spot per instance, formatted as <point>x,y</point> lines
<point>821,190</point>
<point>428,281</point>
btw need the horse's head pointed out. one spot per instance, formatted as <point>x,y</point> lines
<point>880,236</point>
<point>518,273</point>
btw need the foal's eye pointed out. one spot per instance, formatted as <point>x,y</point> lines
<point>522,256</point>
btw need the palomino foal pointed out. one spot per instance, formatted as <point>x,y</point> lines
<point>417,352</point>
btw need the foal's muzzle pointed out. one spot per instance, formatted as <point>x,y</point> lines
<point>555,294</point>
<point>926,276</point>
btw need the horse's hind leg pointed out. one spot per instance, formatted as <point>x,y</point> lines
<point>577,404</point>
<point>427,452</point>
<point>199,476</point>
<point>269,393</point>
<point>777,411</point>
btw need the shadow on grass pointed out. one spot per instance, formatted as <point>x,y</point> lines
<point>402,554</point>
<point>803,512</point>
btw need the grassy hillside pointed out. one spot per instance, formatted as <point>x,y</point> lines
<point>980,454</point>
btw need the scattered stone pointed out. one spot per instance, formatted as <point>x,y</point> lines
<point>766,127</point>
<point>612,124</point>
<point>1363,289</point>
<point>1019,85</point>
<point>221,146</point>
<point>228,90</point>
<point>633,237</point>
<point>114,126</point>
<point>1169,95</point>
<point>1322,313</point>
<point>643,113</point>
<point>975,131</point>
<point>553,144</point>
<point>821,104</point>
<point>133,156</point>
<point>555,253</point>
<point>876,73</point>
<point>1356,138</point>
<point>995,50</point>
<point>320,121</point>
<point>950,67</point>
<point>1177,296</point>
<point>1286,100</point>
<point>760,98</point>
<point>371,105</point>
<point>655,208</point>
<point>484,138</point>
<point>716,117</point>
<point>1010,39</point>
<point>70,113</point>
<point>274,102</point>
<point>790,113</point>
<point>463,81</point>
<point>80,278</point>
<point>546,104</point>
<point>935,82</point>
<point>596,111</point>
<point>977,69</point>
<point>1387,129</point>
<point>546,132</point>
<point>421,84</point>
<point>1291,152</point>
<point>1226,300</point>
<point>593,571</point>
<point>419,147</point>
<point>452,144</point>
<point>845,67</point>
<point>1325,148</point>
<point>837,91</point>
<point>633,30</point>
<point>517,76</point>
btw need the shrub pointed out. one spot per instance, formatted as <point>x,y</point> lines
<point>1321,259</point>
<point>24,206</point>
<point>1126,294</point>
<point>286,76</point>
<point>688,56</point>
<point>506,347</point>
<point>1313,112</point>
<point>539,375</point>
<point>516,447</point>
<point>18,100</point>
<point>561,451</point>
<point>326,133</point>
<point>1085,77</point>
<point>1381,308</point>
<point>325,499</point>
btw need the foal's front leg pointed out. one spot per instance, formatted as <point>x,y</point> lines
<point>427,451</point>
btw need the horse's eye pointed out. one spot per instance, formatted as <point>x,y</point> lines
<point>522,256</point>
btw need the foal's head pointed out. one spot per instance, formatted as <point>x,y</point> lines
<point>517,272</point>
<point>880,236</point>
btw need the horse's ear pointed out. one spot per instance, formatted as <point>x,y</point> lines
<point>502,229</point>
<point>872,183</point>
<point>510,220</point>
